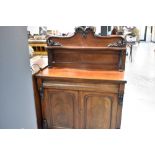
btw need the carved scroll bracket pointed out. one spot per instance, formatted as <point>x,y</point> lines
<point>50,42</point>
<point>120,43</point>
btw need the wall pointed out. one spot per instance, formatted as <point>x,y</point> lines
<point>17,108</point>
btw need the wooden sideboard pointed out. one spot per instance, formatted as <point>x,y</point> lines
<point>83,85</point>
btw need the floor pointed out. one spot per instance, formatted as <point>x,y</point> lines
<point>139,99</point>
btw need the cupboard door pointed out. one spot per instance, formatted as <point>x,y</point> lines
<point>98,110</point>
<point>60,109</point>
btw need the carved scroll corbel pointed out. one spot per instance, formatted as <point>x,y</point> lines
<point>50,42</point>
<point>119,43</point>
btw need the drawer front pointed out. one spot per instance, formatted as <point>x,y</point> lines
<point>100,87</point>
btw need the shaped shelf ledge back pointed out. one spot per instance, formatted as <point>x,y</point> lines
<point>84,37</point>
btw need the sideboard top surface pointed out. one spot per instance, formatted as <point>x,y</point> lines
<point>70,73</point>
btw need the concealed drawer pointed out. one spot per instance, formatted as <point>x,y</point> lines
<point>100,87</point>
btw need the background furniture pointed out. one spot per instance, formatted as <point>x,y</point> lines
<point>38,47</point>
<point>83,85</point>
<point>131,40</point>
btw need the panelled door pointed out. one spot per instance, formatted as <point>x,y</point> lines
<point>79,109</point>
<point>98,110</point>
<point>60,108</point>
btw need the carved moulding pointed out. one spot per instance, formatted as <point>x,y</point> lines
<point>50,42</point>
<point>120,43</point>
<point>84,30</point>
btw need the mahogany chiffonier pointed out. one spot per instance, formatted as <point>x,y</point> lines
<point>83,85</point>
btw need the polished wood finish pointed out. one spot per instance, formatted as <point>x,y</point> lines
<point>87,58</point>
<point>69,73</point>
<point>86,50</point>
<point>37,102</point>
<point>83,85</point>
<point>60,108</point>
<point>89,40</point>
<point>120,106</point>
<point>98,110</point>
<point>37,63</point>
<point>93,96</point>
